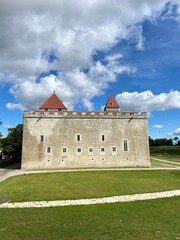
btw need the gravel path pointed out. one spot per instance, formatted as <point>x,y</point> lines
<point>115,199</point>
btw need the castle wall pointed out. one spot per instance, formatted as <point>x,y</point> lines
<point>84,140</point>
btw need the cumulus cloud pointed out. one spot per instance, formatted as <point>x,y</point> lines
<point>38,37</point>
<point>74,86</point>
<point>14,106</point>
<point>147,101</point>
<point>175,132</point>
<point>158,126</point>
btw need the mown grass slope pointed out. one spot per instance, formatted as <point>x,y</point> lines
<point>89,184</point>
<point>152,219</point>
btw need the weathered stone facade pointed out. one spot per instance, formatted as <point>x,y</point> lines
<point>64,139</point>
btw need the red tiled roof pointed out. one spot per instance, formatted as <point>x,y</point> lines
<point>53,103</point>
<point>111,103</point>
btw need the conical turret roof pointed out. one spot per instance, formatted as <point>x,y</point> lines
<point>53,103</point>
<point>111,104</point>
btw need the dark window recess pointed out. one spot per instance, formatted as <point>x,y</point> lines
<point>90,149</point>
<point>125,145</point>
<point>78,138</point>
<point>103,138</point>
<point>102,149</point>
<point>114,149</point>
<point>79,149</point>
<point>48,149</point>
<point>42,138</point>
<point>64,150</point>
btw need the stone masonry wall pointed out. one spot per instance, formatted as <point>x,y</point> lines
<point>50,140</point>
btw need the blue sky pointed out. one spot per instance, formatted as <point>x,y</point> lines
<point>86,52</point>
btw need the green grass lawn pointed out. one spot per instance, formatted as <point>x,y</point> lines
<point>89,184</point>
<point>159,164</point>
<point>170,153</point>
<point>151,220</point>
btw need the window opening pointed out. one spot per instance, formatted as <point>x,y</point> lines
<point>78,137</point>
<point>48,149</point>
<point>79,150</point>
<point>113,149</point>
<point>64,150</point>
<point>102,149</point>
<point>125,145</point>
<point>42,138</point>
<point>90,149</point>
<point>103,138</point>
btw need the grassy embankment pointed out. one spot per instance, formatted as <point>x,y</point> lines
<point>171,155</point>
<point>89,184</point>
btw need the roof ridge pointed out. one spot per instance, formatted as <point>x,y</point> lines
<point>111,103</point>
<point>53,102</point>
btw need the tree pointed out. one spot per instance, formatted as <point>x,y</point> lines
<point>176,140</point>
<point>12,144</point>
<point>160,142</point>
<point>151,141</point>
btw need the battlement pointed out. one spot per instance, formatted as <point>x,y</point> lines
<point>83,115</point>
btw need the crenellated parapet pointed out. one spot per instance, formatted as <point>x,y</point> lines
<point>75,114</point>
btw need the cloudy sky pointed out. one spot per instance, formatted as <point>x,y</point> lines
<point>88,50</point>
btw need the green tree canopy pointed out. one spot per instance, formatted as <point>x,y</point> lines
<point>160,142</point>
<point>12,144</point>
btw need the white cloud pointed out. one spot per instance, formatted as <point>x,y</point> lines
<point>170,134</point>
<point>158,126</point>
<point>8,126</point>
<point>73,31</point>
<point>14,106</point>
<point>147,101</point>
<point>135,33</point>
<point>175,132</point>
<point>114,57</point>
<point>72,87</point>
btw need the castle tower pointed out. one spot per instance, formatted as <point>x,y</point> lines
<point>53,104</point>
<point>111,105</point>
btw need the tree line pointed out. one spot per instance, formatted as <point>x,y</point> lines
<point>164,141</point>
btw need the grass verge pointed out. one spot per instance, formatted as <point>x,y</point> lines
<point>156,163</point>
<point>170,153</point>
<point>76,185</point>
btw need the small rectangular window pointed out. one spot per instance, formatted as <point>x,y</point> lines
<point>113,149</point>
<point>125,145</point>
<point>90,149</point>
<point>102,149</point>
<point>78,137</point>
<point>42,138</point>
<point>103,138</point>
<point>48,149</point>
<point>64,150</point>
<point>79,150</point>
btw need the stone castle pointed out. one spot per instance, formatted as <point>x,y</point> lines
<point>55,138</point>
